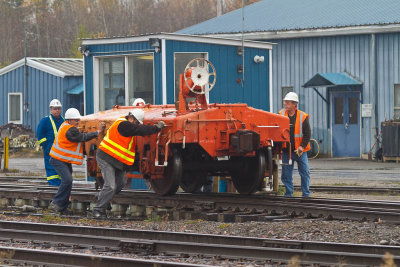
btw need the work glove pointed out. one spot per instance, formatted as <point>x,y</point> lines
<point>160,124</point>
<point>299,151</point>
<point>102,127</point>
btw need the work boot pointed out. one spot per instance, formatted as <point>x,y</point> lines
<point>66,212</point>
<point>54,207</point>
<point>99,215</point>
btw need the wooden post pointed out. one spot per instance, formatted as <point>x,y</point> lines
<point>6,150</point>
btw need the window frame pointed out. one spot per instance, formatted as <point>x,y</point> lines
<point>396,109</point>
<point>97,75</point>
<point>283,95</point>
<point>127,70</point>
<point>20,107</point>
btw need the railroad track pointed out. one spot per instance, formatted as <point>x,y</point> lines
<point>153,243</point>
<point>354,189</point>
<point>219,206</point>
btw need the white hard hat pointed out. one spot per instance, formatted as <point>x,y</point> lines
<point>138,114</point>
<point>292,96</point>
<point>138,102</point>
<point>55,103</point>
<point>72,113</point>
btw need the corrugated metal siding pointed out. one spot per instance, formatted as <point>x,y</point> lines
<point>11,82</point>
<point>225,60</point>
<point>41,89</point>
<point>388,72</point>
<point>112,49</point>
<point>283,15</point>
<point>295,61</point>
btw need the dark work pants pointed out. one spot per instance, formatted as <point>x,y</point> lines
<point>63,169</point>
<point>114,181</point>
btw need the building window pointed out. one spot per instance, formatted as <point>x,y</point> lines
<point>396,114</point>
<point>112,83</point>
<point>285,90</point>
<point>15,108</point>
<point>140,69</point>
<point>180,62</point>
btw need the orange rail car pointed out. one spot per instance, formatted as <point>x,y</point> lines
<point>200,139</point>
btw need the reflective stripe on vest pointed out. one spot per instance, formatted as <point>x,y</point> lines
<point>72,152</point>
<point>298,128</point>
<point>119,147</point>
<point>54,126</point>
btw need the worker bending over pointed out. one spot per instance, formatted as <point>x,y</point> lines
<point>116,153</point>
<point>67,150</point>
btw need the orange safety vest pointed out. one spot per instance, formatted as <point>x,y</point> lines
<point>298,128</point>
<point>119,147</point>
<point>65,150</point>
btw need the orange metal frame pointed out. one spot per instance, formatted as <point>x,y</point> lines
<point>210,126</point>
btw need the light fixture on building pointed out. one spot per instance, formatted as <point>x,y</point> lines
<point>258,59</point>
<point>239,50</point>
<point>155,42</point>
<point>240,68</point>
<point>84,50</point>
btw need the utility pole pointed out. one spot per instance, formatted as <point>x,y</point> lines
<point>219,8</point>
<point>25,97</point>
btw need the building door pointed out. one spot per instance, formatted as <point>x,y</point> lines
<point>345,124</point>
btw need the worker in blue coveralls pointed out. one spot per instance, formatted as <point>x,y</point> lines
<point>46,133</point>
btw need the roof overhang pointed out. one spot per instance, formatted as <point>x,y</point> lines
<point>37,65</point>
<point>331,79</point>
<point>76,90</point>
<point>179,37</point>
<point>271,35</point>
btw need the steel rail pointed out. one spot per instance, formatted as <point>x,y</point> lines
<point>312,207</point>
<point>353,189</point>
<point>35,256</point>
<point>156,242</point>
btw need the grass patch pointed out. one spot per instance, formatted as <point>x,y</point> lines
<point>346,184</point>
<point>224,225</point>
<point>281,190</point>
<point>154,219</point>
<point>10,171</point>
<point>194,221</point>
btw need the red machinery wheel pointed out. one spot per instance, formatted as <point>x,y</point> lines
<point>191,182</point>
<point>248,179</point>
<point>199,75</point>
<point>172,175</point>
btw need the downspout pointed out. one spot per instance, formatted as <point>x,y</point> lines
<point>374,89</point>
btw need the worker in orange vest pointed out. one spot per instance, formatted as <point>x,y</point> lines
<point>300,134</point>
<point>116,153</point>
<point>67,149</point>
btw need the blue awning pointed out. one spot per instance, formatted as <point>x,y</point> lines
<point>76,90</point>
<point>331,79</point>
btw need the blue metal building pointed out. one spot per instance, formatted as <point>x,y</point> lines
<point>25,98</point>
<point>118,70</point>
<point>342,57</point>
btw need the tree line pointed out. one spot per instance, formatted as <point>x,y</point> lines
<point>54,28</point>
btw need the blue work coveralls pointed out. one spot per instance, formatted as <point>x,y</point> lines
<point>46,132</point>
